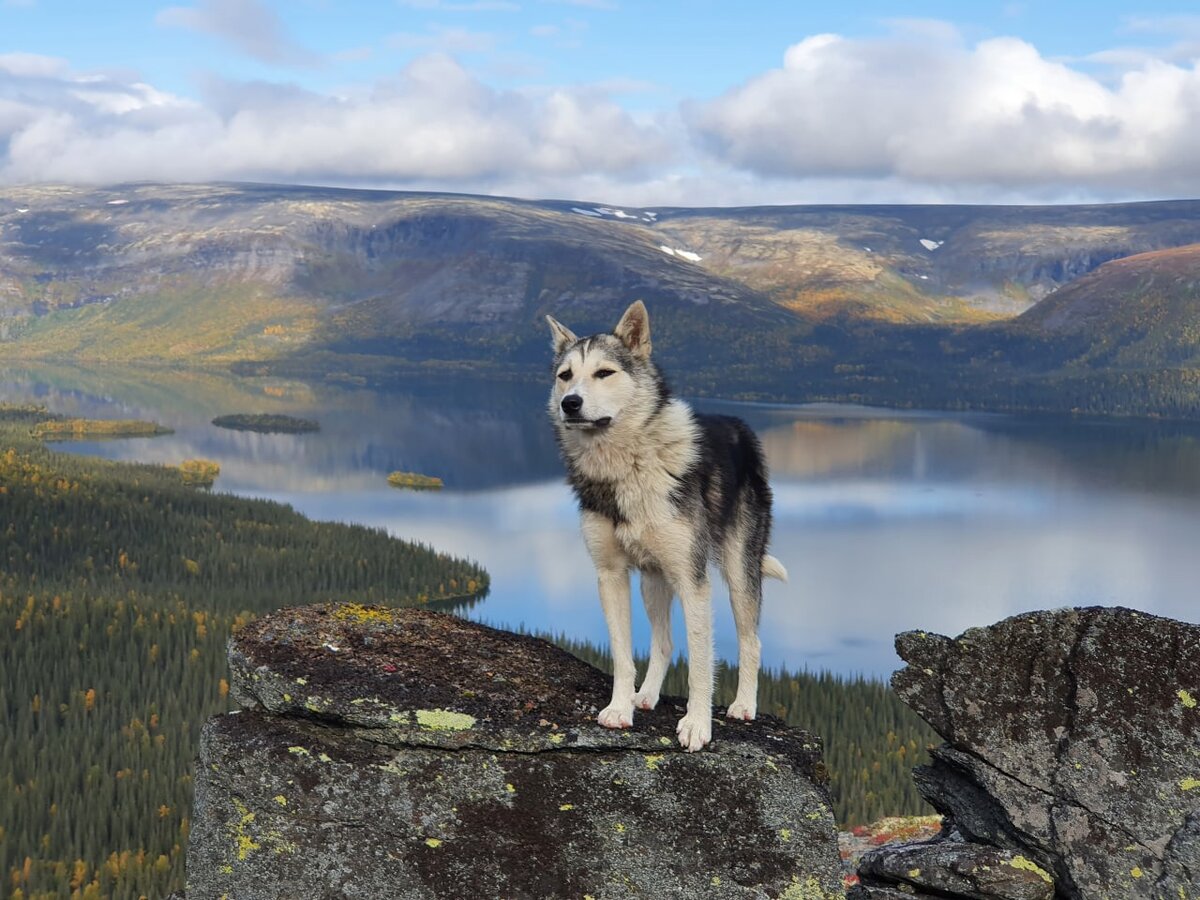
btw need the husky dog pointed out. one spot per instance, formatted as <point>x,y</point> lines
<point>664,490</point>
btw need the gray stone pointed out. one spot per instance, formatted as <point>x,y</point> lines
<point>1072,738</point>
<point>410,754</point>
<point>955,869</point>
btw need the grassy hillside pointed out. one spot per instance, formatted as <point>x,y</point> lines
<point>1133,313</point>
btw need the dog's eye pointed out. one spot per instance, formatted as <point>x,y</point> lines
<point>604,373</point>
<point>565,375</point>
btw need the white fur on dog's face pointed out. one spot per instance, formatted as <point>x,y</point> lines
<point>594,370</point>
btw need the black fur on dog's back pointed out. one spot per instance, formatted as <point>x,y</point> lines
<point>729,482</point>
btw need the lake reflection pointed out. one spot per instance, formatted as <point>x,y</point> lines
<point>886,521</point>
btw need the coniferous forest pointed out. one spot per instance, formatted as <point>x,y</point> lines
<point>119,585</point>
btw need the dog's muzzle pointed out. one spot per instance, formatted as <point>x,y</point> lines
<point>587,424</point>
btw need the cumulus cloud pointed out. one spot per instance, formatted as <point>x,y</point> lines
<point>921,106</point>
<point>248,25</point>
<point>434,124</point>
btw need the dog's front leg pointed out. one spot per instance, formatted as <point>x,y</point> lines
<point>614,598</point>
<point>612,576</point>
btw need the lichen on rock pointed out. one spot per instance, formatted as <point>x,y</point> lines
<point>447,759</point>
<point>1072,740</point>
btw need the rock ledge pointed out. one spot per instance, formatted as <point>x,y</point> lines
<point>412,754</point>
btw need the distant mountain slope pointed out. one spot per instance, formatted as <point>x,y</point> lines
<point>226,272</point>
<point>923,263</point>
<point>1140,311</point>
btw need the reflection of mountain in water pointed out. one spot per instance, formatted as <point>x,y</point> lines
<point>480,434</point>
<point>472,434</point>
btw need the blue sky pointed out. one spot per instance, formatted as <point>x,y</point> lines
<point>637,103</point>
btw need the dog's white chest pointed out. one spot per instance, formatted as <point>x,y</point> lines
<point>646,529</point>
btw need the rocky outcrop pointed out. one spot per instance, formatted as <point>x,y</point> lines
<point>1072,741</point>
<point>411,754</point>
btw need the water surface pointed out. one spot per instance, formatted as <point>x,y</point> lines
<point>885,520</point>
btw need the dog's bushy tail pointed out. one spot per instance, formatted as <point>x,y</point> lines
<point>773,568</point>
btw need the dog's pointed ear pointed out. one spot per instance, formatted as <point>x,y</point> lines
<point>634,329</point>
<point>561,337</point>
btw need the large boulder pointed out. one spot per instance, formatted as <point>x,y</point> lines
<point>1073,740</point>
<point>411,754</point>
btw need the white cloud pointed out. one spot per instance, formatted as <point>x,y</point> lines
<point>249,25</point>
<point>922,107</point>
<point>32,65</point>
<point>916,116</point>
<point>434,125</point>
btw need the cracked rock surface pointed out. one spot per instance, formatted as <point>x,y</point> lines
<point>412,754</point>
<point>1072,738</point>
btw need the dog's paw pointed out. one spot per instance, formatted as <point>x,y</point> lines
<point>616,716</point>
<point>645,700</point>
<point>694,732</point>
<point>742,711</point>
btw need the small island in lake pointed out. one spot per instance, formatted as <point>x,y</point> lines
<point>413,481</point>
<point>199,472</point>
<point>75,429</point>
<point>266,423</point>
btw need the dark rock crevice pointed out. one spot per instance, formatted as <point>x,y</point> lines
<point>1073,739</point>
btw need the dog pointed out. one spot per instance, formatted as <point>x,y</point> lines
<point>664,490</point>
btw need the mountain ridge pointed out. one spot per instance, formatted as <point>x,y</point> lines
<point>870,302</point>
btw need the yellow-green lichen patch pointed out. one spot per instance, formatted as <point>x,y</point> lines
<point>1028,865</point>
<point>433,842</point>
<point>652,761</point>
<point>557,738</point>
<point>1136,872</point>
<point>1189,784</point>
<point>324,757</point>
<point>619,827</point>
<point>510,788</point>
<point>808,889</point>
<point>665,741</point>
<point>566,807</point>
<point>298,751</point>
<point>301,681</point>
<point>785,835</point>
<point>280,799</point>
<point>814,815</point>
<point>716,881</point>
<point>1187,699</point>
<point>914,873</point>
<point>444,720</point>
<point>242,841</point>
<point>356,612</point>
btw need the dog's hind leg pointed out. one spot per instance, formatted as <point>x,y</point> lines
<point>657,596</point>
<point>744,577</point>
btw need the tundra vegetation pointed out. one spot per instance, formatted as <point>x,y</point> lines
<point>119,586</point>
<point>79,429</point>
<point>414,481</point>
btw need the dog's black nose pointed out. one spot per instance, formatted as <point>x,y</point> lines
<point>572,404</point>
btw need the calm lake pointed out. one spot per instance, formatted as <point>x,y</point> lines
<point>885,520</point>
